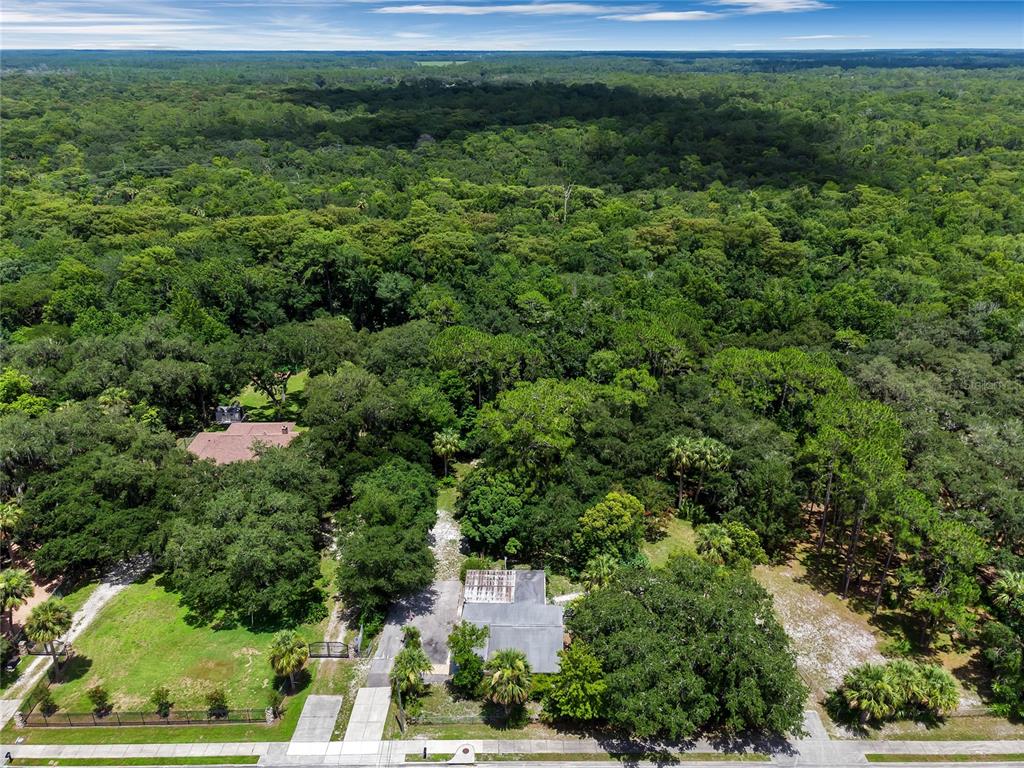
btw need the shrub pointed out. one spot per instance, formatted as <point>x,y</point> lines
<point>464,640</point>
<point>900,689</point>
<point>100,699</point>
<point>275,701</point>
<point>372,622</point>
<point>411,636</point>
<point>46,703</point>
<point>217,703</point>
<point>161,701</point>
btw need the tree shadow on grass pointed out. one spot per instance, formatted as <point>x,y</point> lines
<point>73,669</point>
<point>976,675</point>
<point>303,679</point>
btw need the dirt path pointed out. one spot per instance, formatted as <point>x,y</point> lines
<point>446,542</point>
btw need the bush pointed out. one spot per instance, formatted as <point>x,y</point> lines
<point>411,636</point>
<point>161,701</point>
<point>100,699</point>
<point>469,672</point>
<point>372,622</point>
<point>275,701</point>
<point>897,690</point>
<point>217,703</point>
<point>540,686</point>
<point>464,640</point>
<point>46,703</point>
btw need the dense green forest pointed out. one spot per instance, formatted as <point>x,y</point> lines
<point>785,293</point>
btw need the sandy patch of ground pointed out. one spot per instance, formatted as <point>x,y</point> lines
<point>828,637</point>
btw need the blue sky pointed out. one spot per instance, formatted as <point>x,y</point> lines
<point>732,25</point>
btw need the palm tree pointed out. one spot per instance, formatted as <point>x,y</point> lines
<point>288,654</point>
<point>906,682</point>
<point>446,445</point>
<point>508,678</point>
<point>714,544</point>
<point>711,456</point>
<point>939,689</point>
<point>1008,591</point>
<point>680,459</point>
<point>15,588</point>
<point>47,622</point>
<point>867,689</point>
<point>410,665</point>
<point>599,571</point>
<point>10,514</point>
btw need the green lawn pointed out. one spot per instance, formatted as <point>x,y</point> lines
<point>59,761</point>
<point>76,598</point>
<point>679,538</point>
<point>979,758</point>
<point>200,734</point>
<point>465,720</point>
<point>141,640</point>
<point>593,757</point>
<point>257,404</point>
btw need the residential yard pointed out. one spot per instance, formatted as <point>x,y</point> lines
<point>257,404</point>
<point>142,640</point>
<point>461,719</point>
<point>77,597</point>
<point>199,734</point>
<point>956,728</point>
<point>74,599</point>
<point>679,539</point>
<point>122,761</point>
<point>828,636</point>
<point>340,678</point>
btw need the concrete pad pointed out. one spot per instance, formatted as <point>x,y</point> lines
<point>359,747</point>
<point>307,748</point>
<point>814,727</point>
<point>369,714</point>
<point>316,723</point>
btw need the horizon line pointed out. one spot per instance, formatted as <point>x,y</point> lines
<point>147,49</point>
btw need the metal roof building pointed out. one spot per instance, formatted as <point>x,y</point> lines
<point>513,606</point>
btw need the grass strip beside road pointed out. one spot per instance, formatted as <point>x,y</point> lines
<point>987,757</point>
<point>119,761</point>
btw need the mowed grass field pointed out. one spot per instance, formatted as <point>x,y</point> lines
<point>141,640</point>
<point>679,539</point>
<point>257,404</point>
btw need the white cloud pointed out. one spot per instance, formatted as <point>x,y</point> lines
<point>413,35</point>
<point>664,16</point>
<point>774,6</point>
<point>526,9</point>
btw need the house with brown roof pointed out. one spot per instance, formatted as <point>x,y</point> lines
<point>238,442</point>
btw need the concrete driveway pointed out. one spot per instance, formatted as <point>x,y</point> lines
<point>434,611</point>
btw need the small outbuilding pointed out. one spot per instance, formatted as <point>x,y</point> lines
<point>513,606</point>
<point>238,442</point>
